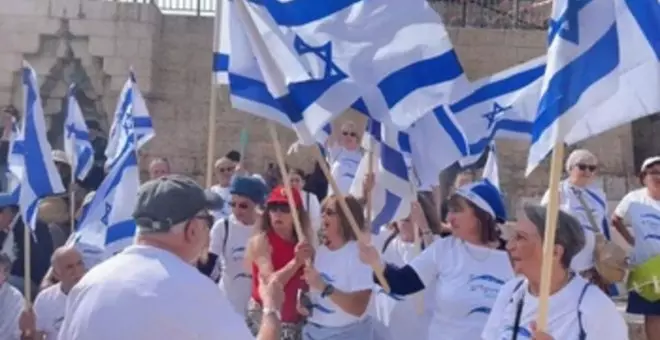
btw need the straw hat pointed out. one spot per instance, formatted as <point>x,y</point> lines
<point>54,210</point>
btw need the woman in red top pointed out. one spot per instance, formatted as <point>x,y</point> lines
<point>275,253</point>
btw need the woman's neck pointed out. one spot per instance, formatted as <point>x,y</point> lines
<point>560,278</point>
<point>335,245</point>
<point>406,238</point>
<point>286,235</point>
<point>654,194</point>
<point>577,182</point>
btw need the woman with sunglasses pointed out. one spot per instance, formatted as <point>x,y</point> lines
<point>224,169</point>
<point>285,256</point>
<point>401,315</point>
<point>581,197</point>
<point>466,269</point>
<point>344,155</point>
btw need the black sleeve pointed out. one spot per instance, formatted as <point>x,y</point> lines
<point>402,281</point>
<point>208,268</point>
<point>4,152</point>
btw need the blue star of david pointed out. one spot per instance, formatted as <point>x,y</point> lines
<point>70,130</point>
<point>495,114</point>
<point>567,25</point>
<point>323,52</point>
<point>106,215</point>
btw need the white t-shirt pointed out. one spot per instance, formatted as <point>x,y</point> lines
<point>569,202</point>
<point>313,208</point>
<point>235,282</point>
<point>344,165</point>
<point>642,212</point>
<point>11,306</point>
<point>406,317</point>
<point>343,269</point>
<point>600,318</point>
<point>49,309</point>
<point>146,293</point>
<point>468,279</point>
<point>226,197</point>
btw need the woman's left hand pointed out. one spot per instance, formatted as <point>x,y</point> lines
<point>539,335</point>
<point>313,278</point>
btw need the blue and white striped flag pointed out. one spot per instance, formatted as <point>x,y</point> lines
<point>379,50</point>
<point>76,138</point>
<point>241,61</point>
<point>583,58</point>
<point>108,223</point>
<point>392,194</point>
<point>33,167</point>
<point>131,110</point>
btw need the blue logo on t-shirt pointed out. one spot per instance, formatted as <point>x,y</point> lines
<point>489,286</point>
<point>523,333</point>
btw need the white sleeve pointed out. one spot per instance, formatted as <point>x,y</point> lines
<point>361,277</point>
<point>427,264</point>
<point>11,312</point>
<point>217,237</point>
<point>600,318</point>
<point>492,328</point>
<point>621,209</point>
<point>232,326</point>
<point>40,312</point>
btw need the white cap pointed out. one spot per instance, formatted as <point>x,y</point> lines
<point>650,161</point>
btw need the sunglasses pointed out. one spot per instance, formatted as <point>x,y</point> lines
<point>328,212</point>
<point>348,133</point>
<point>223,170</point>
<point>585,167</point>
<point>279,207</point>
<point>241,205</point>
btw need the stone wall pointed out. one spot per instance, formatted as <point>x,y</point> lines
<point>94,42</point>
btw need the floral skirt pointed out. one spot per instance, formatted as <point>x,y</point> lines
<point>288,331</point>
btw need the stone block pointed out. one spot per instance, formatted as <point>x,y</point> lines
<point>65,8</point>
<point>101,46</point>
<point>115,66</point>
<point>129,11</point>
<point>150,14</point>
<point>479,37</point>
<point>27,43</point>
<point>126,47</point>
<point>146,48</point>
<point>6,80</point>
<point>52,105</point>
<point>99,10</point>
<point>96,28</point>
<point>23,7</point>
<point>10,61</point>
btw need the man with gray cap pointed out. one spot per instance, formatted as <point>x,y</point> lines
<point>151,290</point>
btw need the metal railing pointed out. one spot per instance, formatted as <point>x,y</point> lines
<point>520,14</point>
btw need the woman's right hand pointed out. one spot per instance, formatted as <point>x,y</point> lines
<point>303,252</point>
<point>369,254</point>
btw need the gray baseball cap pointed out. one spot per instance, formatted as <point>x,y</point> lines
<point>168,201</point>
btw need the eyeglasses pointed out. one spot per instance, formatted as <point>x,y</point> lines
<point>279,207</point>
<point>349,133</point>
<point>241,205</point>
<point>585,167</point>
<point>223,170</point>
<point>328,212</point>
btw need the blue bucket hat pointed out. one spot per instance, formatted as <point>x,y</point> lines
<point>486,196</point>
<point>249,187</point>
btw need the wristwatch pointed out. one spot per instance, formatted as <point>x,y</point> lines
<point>327,291</point>
<point>271,311</point>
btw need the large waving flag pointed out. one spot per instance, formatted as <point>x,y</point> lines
<point>379,50</point>
<point>31,160</point>
<point>583,58</point>
<point>76,138</point>
<point>241,61</point>
<point>108,223</point>
<point>392,194</point>
<point>130,101</point>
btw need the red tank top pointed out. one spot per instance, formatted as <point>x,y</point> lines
<point>283,251</point>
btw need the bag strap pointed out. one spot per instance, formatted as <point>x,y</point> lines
<point>583,333</point>
<point>307,200</point>
<point>519,308</point>
<point>587,210</point>
<point>388,241</point>
<point>226,236</point>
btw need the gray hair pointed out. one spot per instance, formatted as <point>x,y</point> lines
<point>5,262</point>
<point>578,156</point>
<point>569,233</point>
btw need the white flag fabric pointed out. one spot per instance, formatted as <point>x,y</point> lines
<point>491,169</point>
<point>582,70</point>
<point>77,146</point>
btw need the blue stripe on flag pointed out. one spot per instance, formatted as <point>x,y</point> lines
<point>452,130</point>
<point>120,231</point>
<point>393,161</point>
<point>301,12</point>
<point>647,15</point>
<point>385,215</point>
<point>400,83</point>
<point>509,125</point>
<point>220,62</point>
<point>252,90</point>
<point>565,88</point>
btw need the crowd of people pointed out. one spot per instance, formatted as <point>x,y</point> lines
<point>227,262</point>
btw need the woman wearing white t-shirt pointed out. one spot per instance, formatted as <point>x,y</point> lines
<point>224,169</point>
<point>344,155</point>
<point>640,209</point>
<point>340,285</point>
<point>577,309</point>
<point>230,235</point>
<point>467,269</point>
<point>578,193</point>
<point>401,315</point>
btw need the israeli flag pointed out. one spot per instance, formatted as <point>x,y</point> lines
<point>107,224</point>
<point>31,159</point>
<point>131,111</point>
<point>491,169</point>
<point>77,146</point>
<point>583,57</point>
<point>293,100</point>
<point>379,50</point>
<point>392,194</point>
